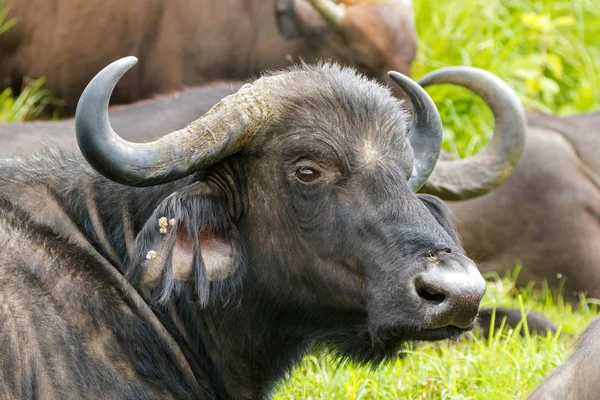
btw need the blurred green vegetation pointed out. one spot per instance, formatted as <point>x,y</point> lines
<point>27,105</point>
<point>5,24</point>
<point>548,51</point>
<point>32,99</point>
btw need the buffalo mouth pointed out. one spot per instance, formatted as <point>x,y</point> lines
<point>401,335</point>
<point>383,345</point>
<point>444,333</point>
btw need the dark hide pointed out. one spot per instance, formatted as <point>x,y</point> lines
<point>215,286</point>
<point>577,377</point>
<point>441,213</point>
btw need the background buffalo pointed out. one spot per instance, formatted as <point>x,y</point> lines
<point>577,377</point>
<point>190,42</point>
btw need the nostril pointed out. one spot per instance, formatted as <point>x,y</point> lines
<point>436,298</point>
<point>433,254</point>
<point>449,296</point>
<point>441,250</point>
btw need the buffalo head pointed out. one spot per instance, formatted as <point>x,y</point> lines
<point>373,36</point>
<point>300,189</point>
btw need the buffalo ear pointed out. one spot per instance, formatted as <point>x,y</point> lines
<point>190,241</point>
<point>220,257</point>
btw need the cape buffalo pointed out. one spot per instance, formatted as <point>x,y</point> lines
<point>192,42</point>
<point>204,264</point>
<point>577,377</point>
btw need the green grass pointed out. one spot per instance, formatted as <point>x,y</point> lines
<point>27,105</point>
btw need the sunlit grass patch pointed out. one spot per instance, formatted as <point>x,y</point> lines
<point>27,105</point>
<point>33,98</point>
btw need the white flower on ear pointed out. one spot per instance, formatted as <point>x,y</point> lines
<point>151,254</point>
<point>162,225</point>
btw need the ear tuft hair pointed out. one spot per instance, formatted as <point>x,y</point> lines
<point>189,244</point>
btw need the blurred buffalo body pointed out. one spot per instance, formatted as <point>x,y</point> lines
<point>190,42</point>
<point>577,377</point>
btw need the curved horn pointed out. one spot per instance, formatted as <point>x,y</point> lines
<point>224,130</point>
<point>331,12</point>
<point>471,177</point>
<point>426,131</point>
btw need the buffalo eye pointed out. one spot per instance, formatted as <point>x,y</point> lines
<point>307,174</point>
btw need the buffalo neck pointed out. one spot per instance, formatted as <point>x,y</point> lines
<point>247,344</point>
<point>243,343</point>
